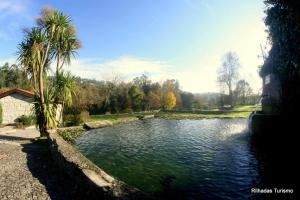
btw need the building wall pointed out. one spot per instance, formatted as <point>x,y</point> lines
<point>271,94</point>
<point>15,105</point>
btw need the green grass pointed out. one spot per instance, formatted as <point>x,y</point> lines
<point>202,116</point>
<point>113,117</point>
<point>249,108</point>
<point>110,117</point>
<point>244,112</point>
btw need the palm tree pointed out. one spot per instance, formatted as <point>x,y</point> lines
<point>50,107</point>
<point>51,39</point>
<point>65,89</point>
<point>66,45</point>
<point>29,53</point>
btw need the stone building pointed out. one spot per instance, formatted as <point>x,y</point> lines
<point>14,103</point>
<point>271,96</point>
<point>17,102</point>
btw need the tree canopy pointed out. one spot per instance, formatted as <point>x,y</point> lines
<point>283,26</point>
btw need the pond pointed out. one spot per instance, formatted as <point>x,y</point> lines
<point>182,159</point>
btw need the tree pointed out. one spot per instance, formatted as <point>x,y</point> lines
<point>169,100</point>
<point>65,89</point>
<point>228,73</point>
<point>154,101</point>
<point>242,92</point>
<point>137,96</point>
<point>187,100</point>
<point>12,76</point>
<point>40,47</point>
<point>283,26</point>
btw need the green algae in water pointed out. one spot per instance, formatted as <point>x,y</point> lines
<point>207,158</point>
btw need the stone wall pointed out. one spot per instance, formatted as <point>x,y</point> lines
<point>15,105</point>
<point>271,96</point>
<point>87,175</point>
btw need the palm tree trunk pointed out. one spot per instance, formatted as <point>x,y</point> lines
<point>34,77</point>
<point>61,112</point>
<point>42,120</point>
<point>57,64</point>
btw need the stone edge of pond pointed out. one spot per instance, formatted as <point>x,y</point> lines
<point>87,174</point>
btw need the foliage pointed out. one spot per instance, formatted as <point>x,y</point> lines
<point>76,119</point>
<point>70,134</point>
<point>137,96</point>
<point>49,106</point>
<point>52,39</point>
<point>100,97</point>
<point>188,100</point>
<point>154,101</point>
<point>283,24</point>
<point>12,76</point>
<point>65,87</point>
<point>169,100</point>
<point>243,93</point>
<point>26,120</point>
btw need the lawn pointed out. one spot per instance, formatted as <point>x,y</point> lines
<point>249,108</point>
<point>202,116</point>
<point>236,112</point>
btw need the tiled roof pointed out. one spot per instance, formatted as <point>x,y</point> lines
<point>17,90</point>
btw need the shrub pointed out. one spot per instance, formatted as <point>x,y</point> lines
<point>70,135</point>
<point>127,110</point>
<point>24,121</point>
<point>76,119</point>
<point>84,116</point>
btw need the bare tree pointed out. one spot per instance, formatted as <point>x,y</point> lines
<point>228,72</point>
<point>242,92</point>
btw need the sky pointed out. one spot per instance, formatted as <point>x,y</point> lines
<point>181,39</point>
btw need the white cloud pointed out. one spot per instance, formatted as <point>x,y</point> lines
<point>126,66</point>
<point>193,78</point>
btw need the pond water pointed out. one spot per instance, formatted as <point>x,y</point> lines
<point>178,159</point>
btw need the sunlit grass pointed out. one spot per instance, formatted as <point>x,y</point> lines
<point>247,108</point>
<point>202,116</point>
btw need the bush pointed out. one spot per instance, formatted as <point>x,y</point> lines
<point>24,121</point>
<point>76,119</point>
<point>70,135</point>
<point>127,110</point>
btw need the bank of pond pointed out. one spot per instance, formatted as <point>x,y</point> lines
<point>171,158</point>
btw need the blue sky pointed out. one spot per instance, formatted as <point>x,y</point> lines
<point>182,39</point>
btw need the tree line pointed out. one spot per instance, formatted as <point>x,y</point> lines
<point>118,96</point>
<point>53,41</point>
